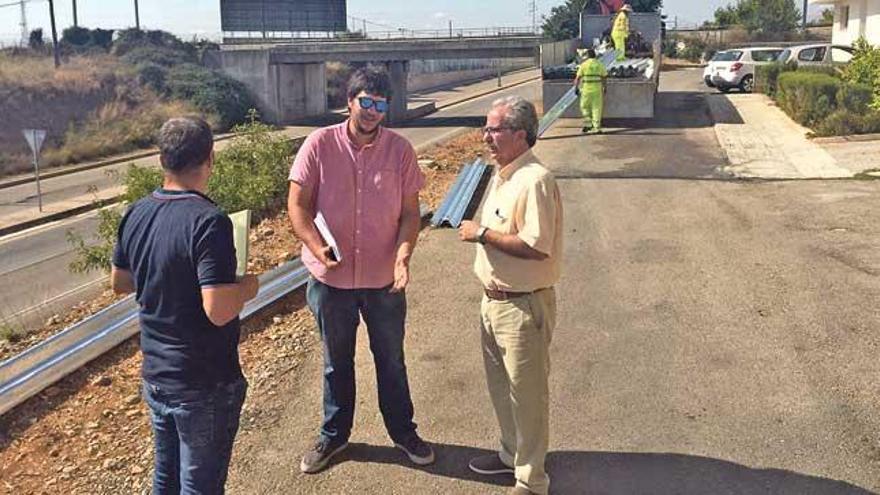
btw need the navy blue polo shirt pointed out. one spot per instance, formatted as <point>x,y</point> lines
<point>174,243</point>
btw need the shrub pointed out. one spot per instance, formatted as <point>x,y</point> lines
<point>766,76</point>
<point>35,40</point>
<point>250,173</point>
<point>210,91</point>
<point>864,68</point>
<point>79,39</point>
<point>854,98</point>
<point>152,76</point>
<point>159,56</point>
<point>807,97</point>
<point>841,123</point>
<point>130,39</point>
<point>694,49</point>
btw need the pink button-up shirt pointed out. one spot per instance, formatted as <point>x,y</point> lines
<point>360,192</point>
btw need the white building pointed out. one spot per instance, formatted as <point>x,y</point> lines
<point>853,19</point>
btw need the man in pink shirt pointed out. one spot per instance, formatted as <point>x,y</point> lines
<point>365,181</point>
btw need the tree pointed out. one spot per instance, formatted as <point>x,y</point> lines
<point>827,16</point>
<point>727,16</point>
<point>563,23</point>
<point>763,18</point>
<point>769,18</point>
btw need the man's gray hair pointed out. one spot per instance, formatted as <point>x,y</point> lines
<point>520,115</point>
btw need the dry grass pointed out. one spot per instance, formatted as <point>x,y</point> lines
<point>118,126</point>
<point>77,74</point>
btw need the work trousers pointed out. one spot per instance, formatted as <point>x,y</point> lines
<point>592,101</point>
<point>516,336</point>
<point>619,38</point>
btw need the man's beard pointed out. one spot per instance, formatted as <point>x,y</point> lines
<point>360,128</point>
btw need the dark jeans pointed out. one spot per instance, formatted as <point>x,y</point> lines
<point>193,434</point>
<point>337,312</point>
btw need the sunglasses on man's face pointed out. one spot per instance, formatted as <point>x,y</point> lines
<point>366,102</point>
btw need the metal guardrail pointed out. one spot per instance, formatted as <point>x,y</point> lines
<point>454,206</point>
<point>27,374</point>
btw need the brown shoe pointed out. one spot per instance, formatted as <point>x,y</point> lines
<point>489,464</point>
<point>518,490</point>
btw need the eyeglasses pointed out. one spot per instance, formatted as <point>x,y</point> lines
<point>366,102</point>
<point>495,130</point>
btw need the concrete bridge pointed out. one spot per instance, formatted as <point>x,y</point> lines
<point>289,80</point>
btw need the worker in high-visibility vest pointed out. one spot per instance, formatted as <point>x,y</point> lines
<point>620,31</point>
<point>590,83</point>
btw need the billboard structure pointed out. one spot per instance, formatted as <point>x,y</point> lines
<point>282,16</point>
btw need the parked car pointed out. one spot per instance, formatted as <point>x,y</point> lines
<point>730,69</point>
<point>817,54</point>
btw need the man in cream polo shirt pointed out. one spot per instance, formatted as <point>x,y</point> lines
<point>519,248</point>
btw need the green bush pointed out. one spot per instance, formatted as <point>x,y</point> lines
<point>78,39</point>
<point>854,98</point>
<point>864,68</point>
<point>152,76</point>
<point>250,173</point>
<point>130,39</point>
<point>845,122</point>
<point>807,97</point>
<point>165,57</point>
<point>694,49</point>
<point>766,76</point>
<point>211,91</point>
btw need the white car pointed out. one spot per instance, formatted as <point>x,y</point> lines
<point>817,54</point>
<point>730,69</point>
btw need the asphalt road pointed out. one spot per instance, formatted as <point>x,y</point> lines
<point>714,337</point>
<point>33,264</point>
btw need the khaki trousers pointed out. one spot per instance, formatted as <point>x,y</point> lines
<point>516,339</point>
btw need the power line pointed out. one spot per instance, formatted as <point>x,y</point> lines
<point>18,3</point>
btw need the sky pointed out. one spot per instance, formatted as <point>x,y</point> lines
<point>201,18</point>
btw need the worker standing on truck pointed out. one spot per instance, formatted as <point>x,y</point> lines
<point>620,31</point>
<point>590,82</point>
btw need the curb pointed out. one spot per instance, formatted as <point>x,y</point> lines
<point>58,215</point>
<point>91,166</point>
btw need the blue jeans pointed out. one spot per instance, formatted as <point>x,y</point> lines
<point>337,312</point>
<point>193,434</point>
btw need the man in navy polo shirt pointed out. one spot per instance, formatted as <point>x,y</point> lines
<point>175,251</point>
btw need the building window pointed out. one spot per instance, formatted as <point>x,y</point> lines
<point>844,17</point>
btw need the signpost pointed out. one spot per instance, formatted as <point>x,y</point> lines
<point>35,139</point>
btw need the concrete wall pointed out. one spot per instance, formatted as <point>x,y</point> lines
<point>424,74</point>
<point>559,52</point>
<point>625,99</point>
<point>863,20</point>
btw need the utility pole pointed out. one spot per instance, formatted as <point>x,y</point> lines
<point>75,20</point>
<point>137,16</point>
<point>450,28</point>
<point>805,15</point>
<point>25,35</point>
<point>533,9</point>
<point>54,34</point>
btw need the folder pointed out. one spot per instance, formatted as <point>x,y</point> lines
<point>324,230</point>
<point>241,224</point>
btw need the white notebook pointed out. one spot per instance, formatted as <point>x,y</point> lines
<point>324,230</point>
<point>241,224</point>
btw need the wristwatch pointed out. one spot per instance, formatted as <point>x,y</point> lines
<point>481,235</point>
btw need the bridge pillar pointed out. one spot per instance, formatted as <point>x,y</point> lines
<point>398,72</point>
<point>301,91</point>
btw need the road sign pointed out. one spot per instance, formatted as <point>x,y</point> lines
<point>35,139</point>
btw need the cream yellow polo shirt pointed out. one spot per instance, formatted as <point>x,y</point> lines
<point>523,199</point>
